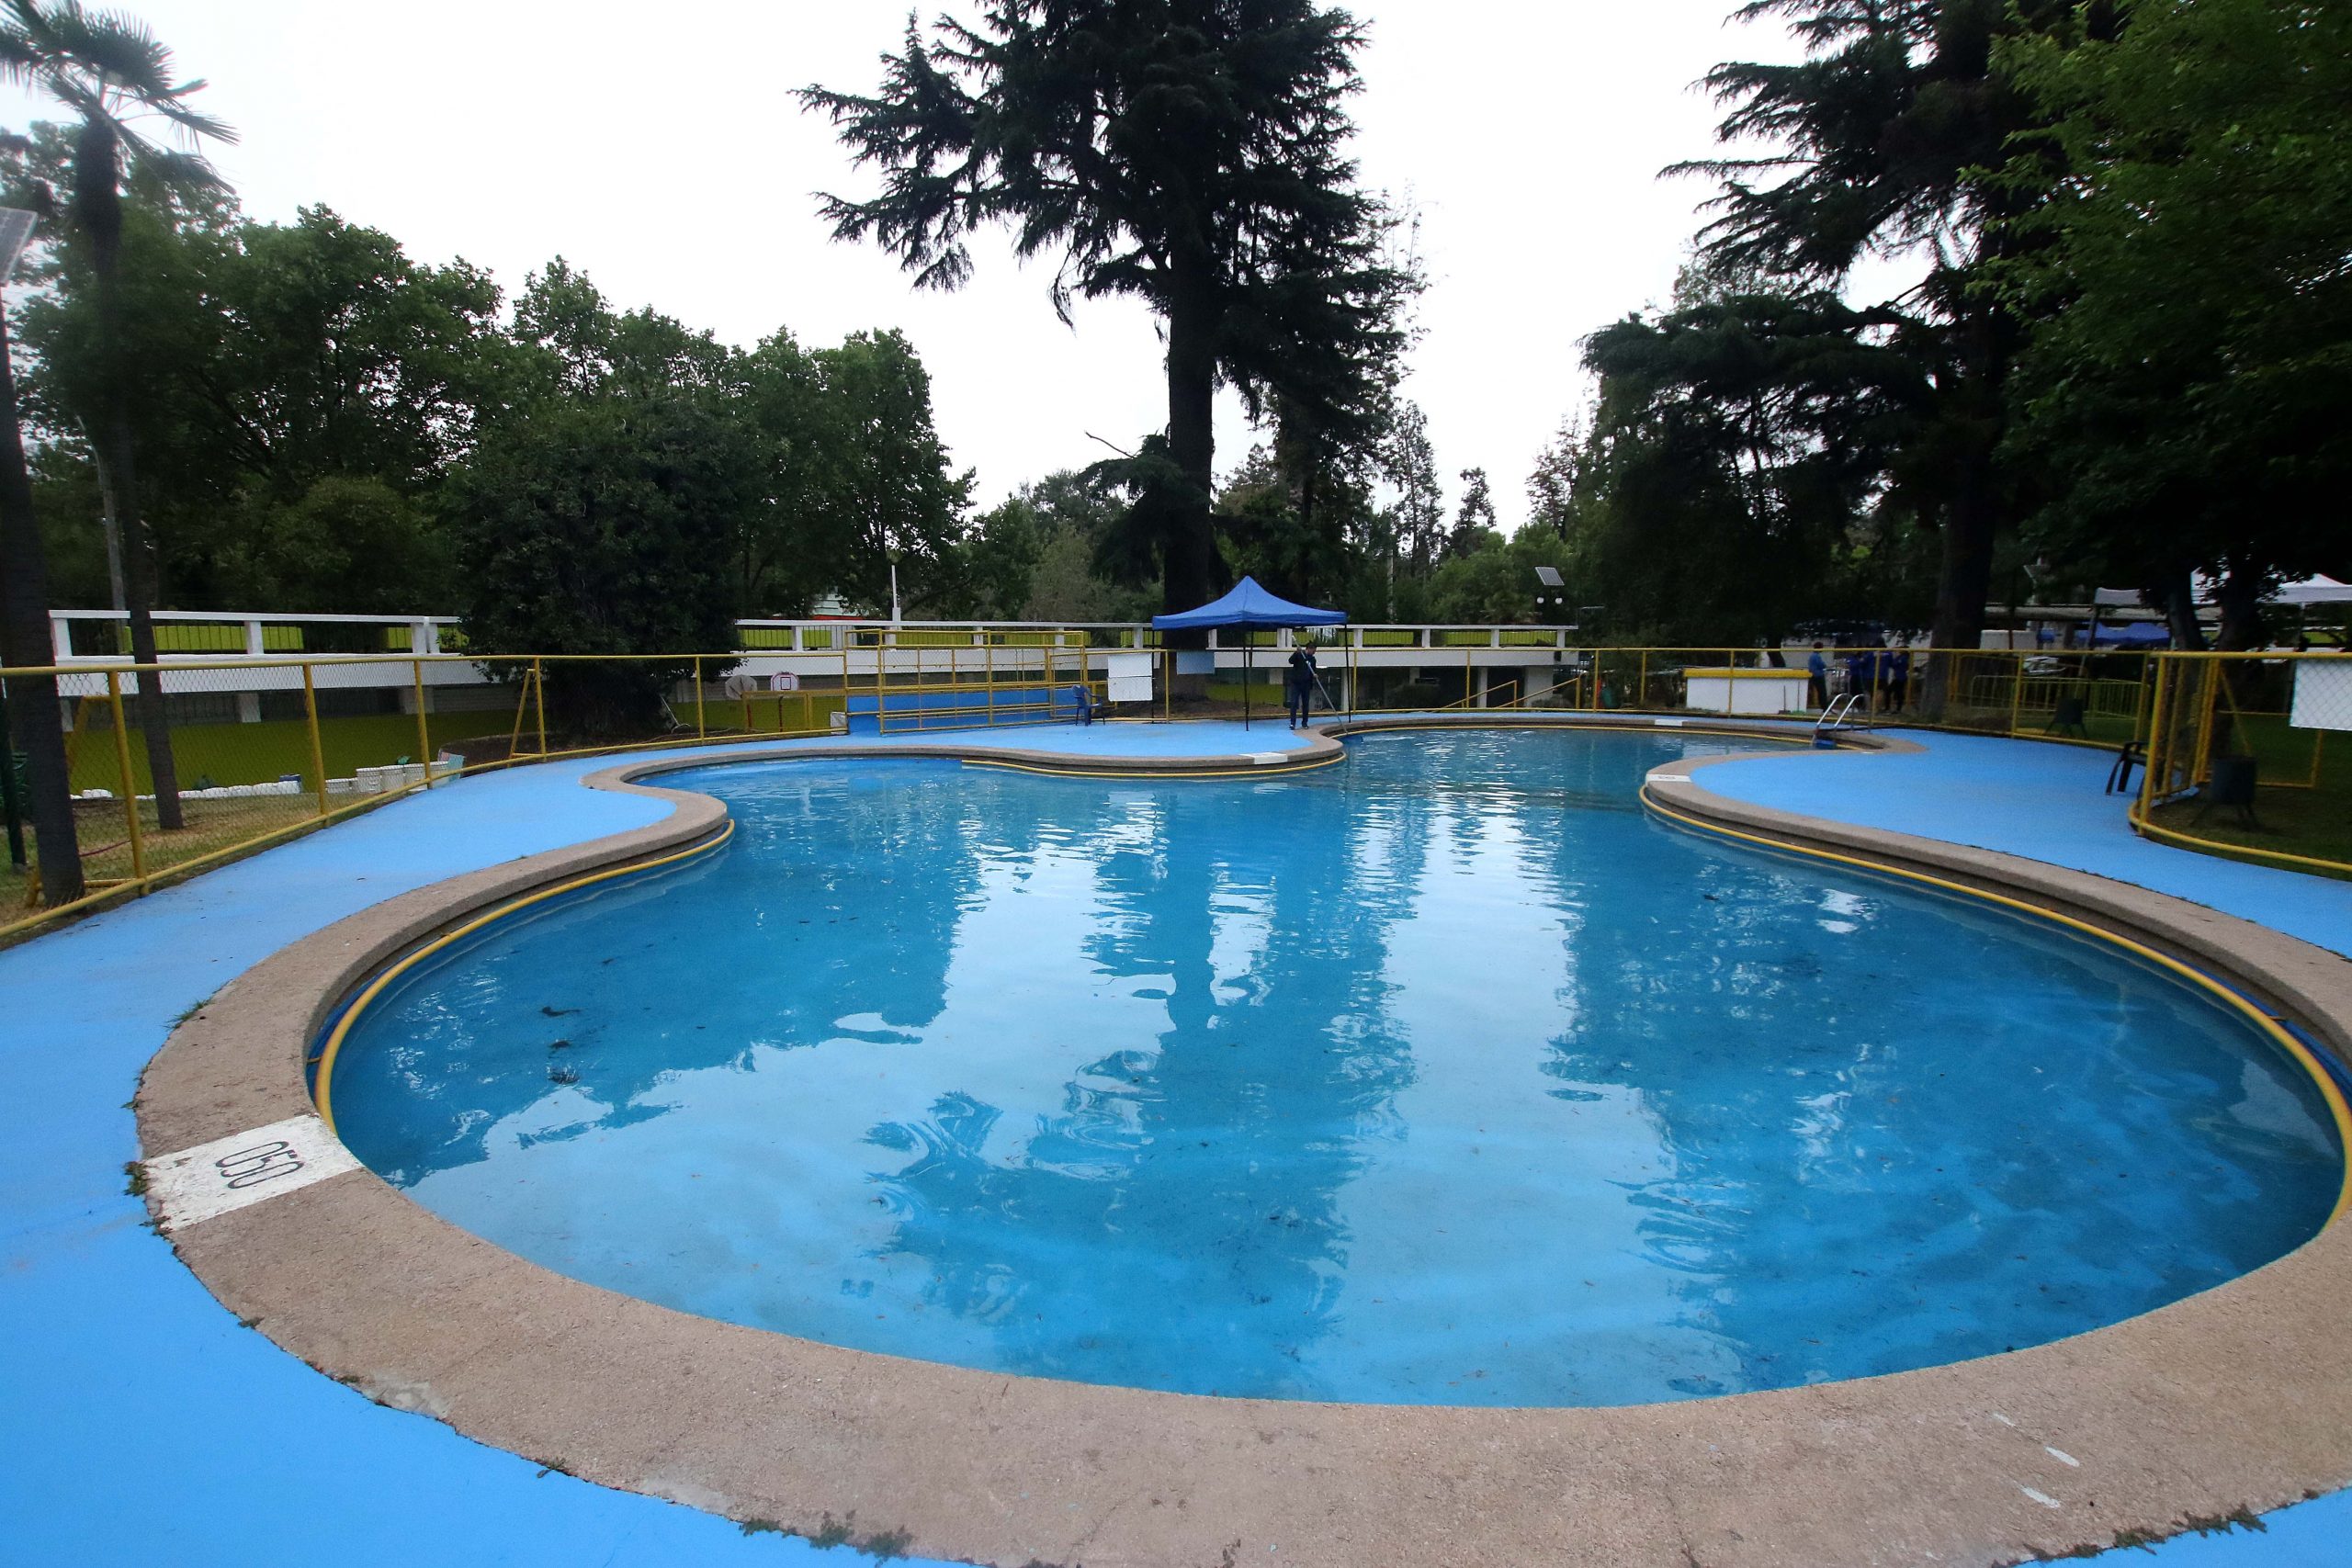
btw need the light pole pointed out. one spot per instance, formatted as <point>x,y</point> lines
<point>24,633</point>
<point>892,551</point>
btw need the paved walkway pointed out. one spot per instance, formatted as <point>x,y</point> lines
<point>144,1426</point>
<point>2036,799</point>
<point>2044,801</point>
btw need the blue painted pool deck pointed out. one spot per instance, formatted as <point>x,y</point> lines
<point>143,1426</point>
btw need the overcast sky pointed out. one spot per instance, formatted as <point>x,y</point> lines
<point>658,148</point>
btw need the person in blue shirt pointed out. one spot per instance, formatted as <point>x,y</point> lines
<point>1298,685</point>
<point>1894,677</point>
<point>1859,669</point>
<point>1816,678</point>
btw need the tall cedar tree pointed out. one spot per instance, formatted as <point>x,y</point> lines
<point>1188,153</point>
<point>109,70</point>
<point>1884,135</point>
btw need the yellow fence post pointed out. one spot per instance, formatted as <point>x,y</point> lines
<point>130,784</point>
<point>702,729</point>
<point>2017,690</point>
<point>318,752</point>
<point>539,702</point>
<point>2154,758</point>
<point>424,734</point>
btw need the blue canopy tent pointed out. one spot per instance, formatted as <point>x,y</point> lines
<point>1250,606</point>
<point>2131,634</point>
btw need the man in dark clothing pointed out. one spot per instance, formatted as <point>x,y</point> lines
<point>1816,678</point>
<point>1894,677</point>
<point>1298,685</point>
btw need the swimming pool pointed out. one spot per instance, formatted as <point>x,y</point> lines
<point>1443,1077</point>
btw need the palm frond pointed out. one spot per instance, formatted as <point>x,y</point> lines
<point>20,59</point>
<point>83,57</point>
<point>188,172</point>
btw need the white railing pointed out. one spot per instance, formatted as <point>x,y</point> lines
<point>265,635</point>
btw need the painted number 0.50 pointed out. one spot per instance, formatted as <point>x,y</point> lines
<point>262,1162</point>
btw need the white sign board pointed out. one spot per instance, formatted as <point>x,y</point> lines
<point>1128,676</point>
<point>2322,694</point>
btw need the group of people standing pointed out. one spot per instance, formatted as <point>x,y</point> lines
<point>1883,674</point>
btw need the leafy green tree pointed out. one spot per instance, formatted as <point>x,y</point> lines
<point>989,574</point>
<point>109,70</point>
<point>1077,517</point>
<point>1739,443</point>
<point>1492,581</point>
<point>1303,556</point>
<point>355,544</point>
<point>2182,394</point>
<point>1188,153</point>
<point>601,526</point>
<point>781,390</point>
<point>1475,518</point>
<point>1883,141</point>
<point>1420,531</point>
<point>887,484</point>
<point>343,357</point>
<point>275,359</point>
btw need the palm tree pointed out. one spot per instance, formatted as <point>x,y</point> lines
<point>110,71</point>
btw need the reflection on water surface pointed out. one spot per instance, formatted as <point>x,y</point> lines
<point>1441,1077</point>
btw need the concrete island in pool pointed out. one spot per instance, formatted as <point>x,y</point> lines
<point>2229,1401</point>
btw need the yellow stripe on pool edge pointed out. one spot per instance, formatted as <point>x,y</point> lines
<point>323,1096</point>
<point>2271,1027</point>
<point>1263,771</point>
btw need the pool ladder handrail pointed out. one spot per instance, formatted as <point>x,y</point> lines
<point>1841,715</point>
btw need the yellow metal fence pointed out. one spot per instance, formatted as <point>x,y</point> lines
<point>258,751</point>
<point>2249,756</point>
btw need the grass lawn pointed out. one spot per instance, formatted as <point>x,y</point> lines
<point>209,825</point>
<point>2316,822</point>
<point>261,753</point>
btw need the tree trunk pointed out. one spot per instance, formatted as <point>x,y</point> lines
<point>2240,597</point>
<point>1188,550</point>
<point>139,578</point>
<point>110,517</point>
<point>25,641</point>
<point>97,207</point>
<point>1972,518</point>
<point>2180,611</point>
<point>1962,582</point>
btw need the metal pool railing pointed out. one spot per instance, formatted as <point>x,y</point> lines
<point>254,751</point>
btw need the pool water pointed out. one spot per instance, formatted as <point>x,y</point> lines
<point>1444,1076</point>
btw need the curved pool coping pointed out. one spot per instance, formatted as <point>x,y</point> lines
<point>2203,1407</point>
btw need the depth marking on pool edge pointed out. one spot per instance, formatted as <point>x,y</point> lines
<point>229,1173</point>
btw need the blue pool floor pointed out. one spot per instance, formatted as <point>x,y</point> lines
<point>144,1426</point>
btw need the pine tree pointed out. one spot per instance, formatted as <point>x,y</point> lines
<point>1188,153</point>
<point>1884,136</point>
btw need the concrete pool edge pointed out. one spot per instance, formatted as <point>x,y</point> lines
<point>2198,1409</point>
